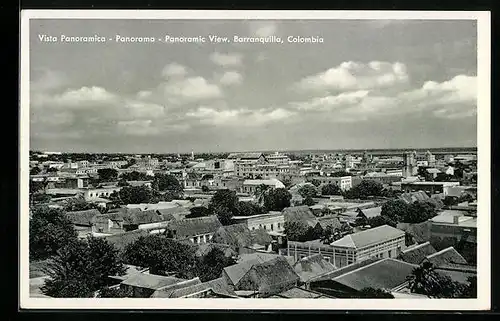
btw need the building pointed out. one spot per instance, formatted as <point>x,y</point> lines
<point>95,193</point>
<point>244,163</point>
<point>278,158</point>
<point>343,182</point>
<point>410,167</point>
<point>379,242</point>
<point>144,285</point>
<point>269,222</point>
<point>455,226</point>
<point>429,187</point>
<point>250,186</point>
<point>197,230</point>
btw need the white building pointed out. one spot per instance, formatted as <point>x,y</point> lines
<point>250,185</point>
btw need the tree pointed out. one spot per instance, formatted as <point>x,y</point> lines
<point>249,208</point>
<point>425,280</point>
<point>395,210</point>
<point>287,182</point>
<point>161,254</point>
<point>205,189</point>
<point>443,177</point>
<point>209,266</point>
<point>107,174</point>
<point>224,204</point>
<point>365,189</point>
<point>122,182</point>
<point>470,291</point>
<point>466,197</point>
<point>134,195</point>
<point>371,293</point>
<point>331,189</point>
<point>308,201</point>
<point>51,170</point>
<point>379,221</point>
<point>49,231</point>
<point>114,292</point>
<point>134,176</point>
<point>35,170</point>
<point>36,186</point>
<point>82,267</point>
<point>167,183</point>
<point>198,211</point>
<point>277,199</point>
<point>316,182</point>
<point>77,204</point>
<point>296,231</point>
<point>420,211</point>
<point>260,193</point>
<point>307,191</point>
<point>450,201</point>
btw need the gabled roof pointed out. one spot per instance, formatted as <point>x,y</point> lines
<point>82,217</point>
<point>299,293</point>
<point>238,236</point>
<point>371,212</point>
<point>329,220</point>
<point>413,196</point>
<point>150,281</point>
<point>269,277</point>
<point>448,255</point>
<point>312,267</point>
<point>174,213</point>
<point>166,292</point>
<point>384,274</point>
<point>218,286</point>
<point>123,239</point>
<point>194,226</point>
<point>144,217</point>
<point>301,214</point>
<point>245,262</point>
<point>416,254</point>
<point>371,236</point>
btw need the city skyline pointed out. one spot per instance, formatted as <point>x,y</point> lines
<point>387,84</point>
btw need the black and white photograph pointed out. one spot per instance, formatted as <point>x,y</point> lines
<point>259,160</point>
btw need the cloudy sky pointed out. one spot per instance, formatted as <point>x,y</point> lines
<point>370,84</point>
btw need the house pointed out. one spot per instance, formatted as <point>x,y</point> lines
<point>386,274</point>
<point>263,279</point>
<point>312,267</point>
<point>214,288</point>
<point>197,230</point>
<point>417,253</point>
<point>429,187</point>
<point>145,220</point>
<point>411,197</point>
<point>343,182</point>
<point>273,221</point>
<point>446,256</point>
<point>130,271</point>
<point>142,285</point>
<point>367,213</point>
<point>379,242</point>
<point>455,226</point>
<point>332,221</point>
<point>105,223</point>
<point>241,238</point>
<point>121,240</point>
<point>250,186</point>
<point>82,221</point>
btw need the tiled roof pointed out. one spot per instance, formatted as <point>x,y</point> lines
<point>384,274</point>
<point>330,220</point>
<point>219,286</point>
<point>82,217</point>
<point>107,216</point>
<point>151,281</point>
<point>194,226</point>
<point>312,266</point>
<point>414,196</point>
<point>299,293</point>
<point>123,239</point>
<point>238,236</point>
<point>416,254</point>
<point>300,213</point>
<point>166,292</point>
<point>448,255</point>
<point>371,236</point>
<point>144,217</point>
<point>269,277</point>
<point>177,213</point>
<point>244,155</point>
<point>371,212</point>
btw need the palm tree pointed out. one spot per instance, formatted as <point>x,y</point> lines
<point>260,193</point>
<point>424,280</point>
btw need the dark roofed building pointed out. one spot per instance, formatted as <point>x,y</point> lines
<point>142,285</point>
<point>300,214</point>
<point>330,220</point>
<point>387,274</point>
<point>416,254</point>
<point>370,212</point>
<point>269,278</point>
<point>197,230</point>
<point>121,240</point>
<point>174,213</point>
<point>240,238</point>
<point>411,197</point>
<point>82,218</point>
<point>218,286</point>
<point>446,256</point>
<point>312,267</point>
<point>104,223</point>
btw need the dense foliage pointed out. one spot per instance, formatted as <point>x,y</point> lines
<point>161,255</point>
<point>82,267</point>
<point>49,231</point>
<point>210,265</point>
<point>331,189</point>
<point>224,204</point>
<point>365,189</point>
<point>277,199</point>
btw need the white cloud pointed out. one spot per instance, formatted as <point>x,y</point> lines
<point>138,127</point>
<point>231,78</point>
<point>173,69</point>
<point>355,76</point>
<point>49,80</point>
<point>242,117</point>
<point>455,98</point>
<point>192,89</point>
<point>227,60</point>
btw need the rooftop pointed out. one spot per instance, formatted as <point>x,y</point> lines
<point>150,281</point>
<point>416,254</point>
<point>368,237</point>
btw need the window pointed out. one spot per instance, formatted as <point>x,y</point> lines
<point>264,227</point>
<point>279,225</point>
<point>328,259</point>
<point>272,227</point>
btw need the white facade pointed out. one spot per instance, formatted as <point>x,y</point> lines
<point>268,222</point>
